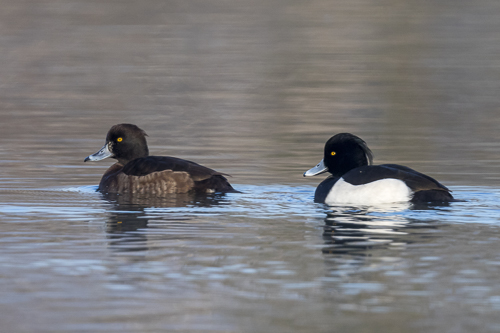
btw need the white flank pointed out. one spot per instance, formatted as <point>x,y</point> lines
<point>377,192</point>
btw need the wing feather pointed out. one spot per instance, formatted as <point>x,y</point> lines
<point>415,180</point>
<point>147,165</point>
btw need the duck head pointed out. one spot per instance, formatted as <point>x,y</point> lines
<point>343,152</point>
<point>124,142</point>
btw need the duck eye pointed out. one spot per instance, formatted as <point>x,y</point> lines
<point>119,139</point>
<point>333,153</point>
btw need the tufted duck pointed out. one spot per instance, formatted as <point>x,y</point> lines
<point>354,180</point>
<point>138,173</point>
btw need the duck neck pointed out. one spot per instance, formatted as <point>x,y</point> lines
<point>137,152</point>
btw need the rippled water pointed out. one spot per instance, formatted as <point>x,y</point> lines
<point>265,259</point>
<point>253,89</point>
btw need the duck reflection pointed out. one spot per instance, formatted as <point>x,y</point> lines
<point>132,219</point>
<point>173,200</point>
<point>355,230</point>
<point>124,230</point>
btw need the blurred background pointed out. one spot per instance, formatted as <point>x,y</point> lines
<point>252,88</point>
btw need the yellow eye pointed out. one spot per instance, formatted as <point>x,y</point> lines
<point>333,153</point>
<point>119,139</point>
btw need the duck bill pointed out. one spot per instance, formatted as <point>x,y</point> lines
<point>100,155</point>
<point>318,169</point>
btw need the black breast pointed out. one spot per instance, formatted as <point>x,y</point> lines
<point>324,188</point>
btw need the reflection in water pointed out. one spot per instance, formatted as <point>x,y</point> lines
<point>353,229</point>
<point>367,245</point>
<point>131,216</point>
<point>123,230</point>
<point>173,200</point>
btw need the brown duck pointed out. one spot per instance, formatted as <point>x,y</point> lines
<point>138,173</point>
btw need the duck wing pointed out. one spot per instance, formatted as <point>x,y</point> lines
<point>415,180</point>
<point>147,165</point>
